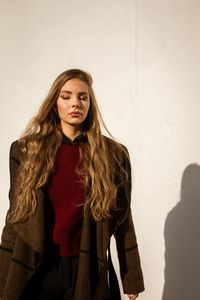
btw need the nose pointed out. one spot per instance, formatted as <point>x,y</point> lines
<point>76,101</point>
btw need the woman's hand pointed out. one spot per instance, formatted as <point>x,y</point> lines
<point>130,296</point>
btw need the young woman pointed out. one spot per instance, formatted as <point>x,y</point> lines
<point>70,191</point>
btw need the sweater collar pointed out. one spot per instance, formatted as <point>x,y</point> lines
<point>80,138</point>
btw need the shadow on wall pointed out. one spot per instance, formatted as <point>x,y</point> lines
<point>182,241</point>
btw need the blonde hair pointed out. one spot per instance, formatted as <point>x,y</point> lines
<point>103,158</point>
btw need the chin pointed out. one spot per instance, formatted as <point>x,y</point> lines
<point>75,123</point>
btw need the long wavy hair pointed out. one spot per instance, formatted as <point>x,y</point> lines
<point>101,158</point>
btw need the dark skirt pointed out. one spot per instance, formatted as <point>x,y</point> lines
<point>54,279</point>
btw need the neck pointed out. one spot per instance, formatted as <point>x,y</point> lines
<point>71,132</point>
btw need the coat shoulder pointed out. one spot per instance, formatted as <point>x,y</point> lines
<point>117,147</point>
<point>114,143</point>
<point>16,151</point>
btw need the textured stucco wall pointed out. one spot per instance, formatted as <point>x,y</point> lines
<point>143,56</point>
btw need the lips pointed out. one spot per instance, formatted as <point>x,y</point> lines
<point>75,113</point>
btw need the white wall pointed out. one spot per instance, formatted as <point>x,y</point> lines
<point>143,56</point>
<point>167,147</point>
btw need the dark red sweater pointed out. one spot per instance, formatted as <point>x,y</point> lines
<point>63,191</point>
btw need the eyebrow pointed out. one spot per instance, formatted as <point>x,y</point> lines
<point>69,92</point>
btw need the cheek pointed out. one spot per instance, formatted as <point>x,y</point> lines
<point>62,107</point>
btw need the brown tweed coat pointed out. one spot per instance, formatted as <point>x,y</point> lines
<point>22,247</point>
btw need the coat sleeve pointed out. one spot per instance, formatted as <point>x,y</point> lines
<point>127,247</point>
<point>8,234</point>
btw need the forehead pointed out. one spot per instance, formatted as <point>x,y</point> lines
<point>75,84</point>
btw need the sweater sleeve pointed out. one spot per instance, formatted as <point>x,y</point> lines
<point>127,247</point>
<point>8,234</point>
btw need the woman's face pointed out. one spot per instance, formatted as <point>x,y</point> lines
<point>74,96</point>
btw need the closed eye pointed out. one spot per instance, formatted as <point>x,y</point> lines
<point>69,98</point>
<point>64,97</point>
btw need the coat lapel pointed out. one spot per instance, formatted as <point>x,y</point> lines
<point>32,231</point>
<point>83,273</point>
